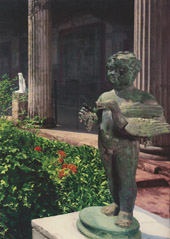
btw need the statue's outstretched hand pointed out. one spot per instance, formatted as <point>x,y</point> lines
<point>87,117</point>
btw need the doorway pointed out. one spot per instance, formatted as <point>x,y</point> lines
<point>82,66</point>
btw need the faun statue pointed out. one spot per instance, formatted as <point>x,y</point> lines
<point>125,115</point>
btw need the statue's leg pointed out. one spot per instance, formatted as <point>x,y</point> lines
<point>126,165</point>
<point>107,160</point>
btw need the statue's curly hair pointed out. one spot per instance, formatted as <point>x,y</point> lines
<point>127,58</point>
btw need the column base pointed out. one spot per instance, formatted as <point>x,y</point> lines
<point>49,123</point>
<point>96,225</point>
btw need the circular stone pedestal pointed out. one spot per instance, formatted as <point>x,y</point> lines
<point>96,225</point>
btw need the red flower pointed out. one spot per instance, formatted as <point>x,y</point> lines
<point>72,167</point>
<point>64,165</point>
<point>61,153</point>
<point>62,174</point>
<point>61,160</point>
<point>38,149</point>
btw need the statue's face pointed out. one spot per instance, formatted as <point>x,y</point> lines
<point>122,69</point>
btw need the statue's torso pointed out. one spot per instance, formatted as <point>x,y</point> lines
<point>108,133</point>
<point>132,104</point>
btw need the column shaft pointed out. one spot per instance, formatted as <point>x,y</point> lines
<point>152,47</point>
<point>40,59</point>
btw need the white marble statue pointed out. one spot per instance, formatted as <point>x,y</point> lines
<point>22,85</point>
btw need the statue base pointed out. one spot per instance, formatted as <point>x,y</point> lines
<point>19,106</point>
<point>96,225</point>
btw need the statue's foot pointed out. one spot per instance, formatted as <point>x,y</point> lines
<point>124,219</point>
<point>110,210</point>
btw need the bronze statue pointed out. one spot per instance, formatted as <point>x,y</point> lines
<point>125,115</point>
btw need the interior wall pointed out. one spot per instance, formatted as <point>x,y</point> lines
<point>80,81</point>
<point>13,27</point>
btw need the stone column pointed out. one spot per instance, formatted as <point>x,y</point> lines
<point>40,60</point>
<point>152,46</point>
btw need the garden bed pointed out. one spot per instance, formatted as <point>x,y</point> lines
<point>42,178</point>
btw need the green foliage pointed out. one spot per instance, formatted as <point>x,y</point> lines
<point>30,185</point>
<point>24,97</point>
<point>28,123</point>
<point>6,89</point>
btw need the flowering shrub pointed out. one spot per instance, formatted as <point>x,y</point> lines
<point>62,169</point>
<point>41,184</point>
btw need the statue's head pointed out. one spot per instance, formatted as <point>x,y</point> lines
<point>122,69</point>
<point>20,75</point>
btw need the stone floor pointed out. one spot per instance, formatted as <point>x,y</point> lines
<point>153,189</point>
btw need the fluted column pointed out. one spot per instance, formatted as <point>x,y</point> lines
<point>40,60</point>
<point>152,46</point>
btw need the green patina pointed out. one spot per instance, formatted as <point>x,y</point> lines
<point>125,115</point>
<point>96,225</point>
<point>122,69</point>
<point>136,95</point>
